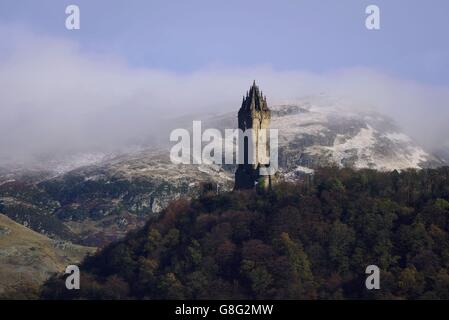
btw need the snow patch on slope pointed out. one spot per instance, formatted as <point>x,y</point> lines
<point>361,146</point>
<point>363,150</point>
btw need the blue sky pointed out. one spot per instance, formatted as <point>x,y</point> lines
<point>308,35</point>
<point>134,63</point>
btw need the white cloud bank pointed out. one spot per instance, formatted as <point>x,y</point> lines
<point>55,99</point>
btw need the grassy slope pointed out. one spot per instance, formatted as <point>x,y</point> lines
<point>28,258</point>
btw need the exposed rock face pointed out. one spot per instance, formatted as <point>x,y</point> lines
<point>255,115</point>
<point>97,204</point>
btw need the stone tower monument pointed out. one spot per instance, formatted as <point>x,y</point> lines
<point>254,114</point>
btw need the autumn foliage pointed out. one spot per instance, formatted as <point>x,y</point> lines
<point>309,240</point>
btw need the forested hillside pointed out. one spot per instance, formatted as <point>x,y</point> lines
<point>310,240</point>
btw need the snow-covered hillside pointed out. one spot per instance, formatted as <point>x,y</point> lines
<point>317,134</point>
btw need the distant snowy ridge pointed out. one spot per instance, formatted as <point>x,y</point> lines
<point>320,132</point>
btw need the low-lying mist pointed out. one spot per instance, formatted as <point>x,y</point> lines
<point>56,99</point>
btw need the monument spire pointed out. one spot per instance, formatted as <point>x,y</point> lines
<point>253,115</point>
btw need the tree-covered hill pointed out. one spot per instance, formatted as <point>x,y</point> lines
<point>310,240</point>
